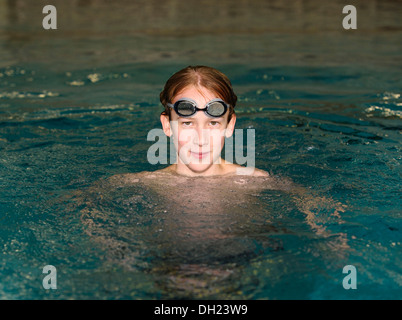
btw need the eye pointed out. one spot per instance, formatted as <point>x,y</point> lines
<point>186,123</point>
<point>214,123</point>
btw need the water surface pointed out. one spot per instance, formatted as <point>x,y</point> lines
<point>76,106</point>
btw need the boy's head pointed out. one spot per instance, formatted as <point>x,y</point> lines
<point>200,124</point>
<point>199,76</point>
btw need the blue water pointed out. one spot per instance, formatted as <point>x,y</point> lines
<point>76,108</point>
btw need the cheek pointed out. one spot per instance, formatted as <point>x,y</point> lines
<point>217,140</point>
<point>185,138</point>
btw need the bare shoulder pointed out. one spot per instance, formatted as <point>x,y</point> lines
<point>236,169</point>
<point>260,173</point>
<point>143,177</point>
<point>252,172</point>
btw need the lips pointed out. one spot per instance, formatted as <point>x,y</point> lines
<point>199,155</point>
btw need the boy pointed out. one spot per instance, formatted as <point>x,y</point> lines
<point>199,113</point>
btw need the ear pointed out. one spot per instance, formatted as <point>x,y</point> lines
<point>166,125</point>
<point>230,127</point>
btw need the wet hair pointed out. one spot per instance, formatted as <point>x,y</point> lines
<point>199,76</point>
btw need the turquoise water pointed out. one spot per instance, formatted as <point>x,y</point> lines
<point>76,107</point>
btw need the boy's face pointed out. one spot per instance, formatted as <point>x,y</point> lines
<point>198,139</point>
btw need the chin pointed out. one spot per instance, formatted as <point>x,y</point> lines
<point>199,168</point>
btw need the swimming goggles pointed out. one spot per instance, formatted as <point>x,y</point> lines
<point>186,107</point>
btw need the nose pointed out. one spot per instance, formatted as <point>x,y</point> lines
<point>201,137</point>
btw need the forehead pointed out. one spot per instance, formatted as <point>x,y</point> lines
<point>201,95</point>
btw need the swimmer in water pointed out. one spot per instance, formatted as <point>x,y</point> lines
<point>199,113</point>
<point>201,221</point>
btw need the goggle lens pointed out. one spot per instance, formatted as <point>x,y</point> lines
<point>216,109</point>
<point>185,108</point>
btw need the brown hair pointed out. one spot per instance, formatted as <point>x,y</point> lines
<point>199,76</point>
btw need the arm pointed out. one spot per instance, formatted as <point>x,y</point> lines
<point>319,211</point>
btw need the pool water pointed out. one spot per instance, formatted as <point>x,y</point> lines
<point>76,106</point>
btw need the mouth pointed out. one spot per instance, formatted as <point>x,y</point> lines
<point>200,155</point>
